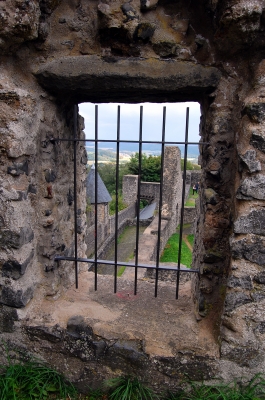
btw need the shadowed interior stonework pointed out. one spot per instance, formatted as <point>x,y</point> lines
<point>55,54</point>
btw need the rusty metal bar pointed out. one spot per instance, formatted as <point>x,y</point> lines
<point>75,194</point>
<point>138,197</point>
<point>117,197</point>
<point>96,197</point>
<point>183,196</point>
<point>126,264</point>
<point>160,199</point>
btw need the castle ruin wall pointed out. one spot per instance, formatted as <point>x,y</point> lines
<point>56,54</point>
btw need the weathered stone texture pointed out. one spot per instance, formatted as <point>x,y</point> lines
<point>250,161</point>
<point>57,53</point>
<point>251,248</point>
<point>252,188</point>
<point>254,222</point>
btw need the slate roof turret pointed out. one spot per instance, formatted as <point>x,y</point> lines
<point>103,194</point>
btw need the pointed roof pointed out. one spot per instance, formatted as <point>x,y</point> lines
<point>103,194</point>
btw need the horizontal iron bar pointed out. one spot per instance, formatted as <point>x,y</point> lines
<point>120,263</point>
<point>124,141</point>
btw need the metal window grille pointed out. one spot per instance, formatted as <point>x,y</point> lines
<point>116,263</point>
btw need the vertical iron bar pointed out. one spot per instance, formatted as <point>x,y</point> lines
<point>183,197</point>
<point>96,197</point>
<point>75,194</point>
<point>138,198</point>
<point>117,197</point>
<point>160,198</point>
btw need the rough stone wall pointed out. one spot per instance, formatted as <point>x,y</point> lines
<point>104,230</point>
<point>127,213</point>
<point>244,303</point>
<point>102,235</point>
<point>36,192</point>
<point>129,188</point>
<point>189,215</point>
<point>195,176</point>
<point>150,190</point>
<point>55,54</point>
<point>172,188</point>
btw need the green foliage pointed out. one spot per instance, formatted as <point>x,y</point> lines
<point>150,171</point>
<point>121,270</point>
<point>171,251</point>
<point>129,388</point>
<point>191,199</point>
<point>150,167</point>
<point>88,206</point>
<point>32,380</point>
<point>190,203</point>
<point>95,394</point>
<point>107,173</point>
<point>189,166</point>
<point>254,390</point>
<point>191,239</point>
<point>143,204</point>
<point>112,204</point>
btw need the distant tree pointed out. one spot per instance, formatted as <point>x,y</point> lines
<point>112,204</point>
<point>190,165</point>
<point>150,167</point>
<point>107,172</point>
<point>150,170</point>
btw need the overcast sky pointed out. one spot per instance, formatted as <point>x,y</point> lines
<point>152,121</point>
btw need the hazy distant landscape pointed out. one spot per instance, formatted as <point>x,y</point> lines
<point>107,151</point>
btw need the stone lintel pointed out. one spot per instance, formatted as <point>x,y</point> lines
<point>92,78</point>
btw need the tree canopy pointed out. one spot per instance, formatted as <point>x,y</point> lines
<point>150,167</point>
<point>150,170</point>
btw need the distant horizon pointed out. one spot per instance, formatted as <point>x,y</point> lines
<point>149,148</point>
<point>152,118</point>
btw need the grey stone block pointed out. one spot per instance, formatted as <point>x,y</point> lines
<point>260,328</point>
<point>15,269</point>
<point>129,11</point>
<point>9,239</point>
<point>249,159</point>
<point>79,75</point>
<point>50,175</point>
<point>18,169</point>
<point>243,282</point>
<point>166,48</point>
<point>245,355</point>
<point>52,334</point>
<point>258,296</point>
<point>235,300</point>
<point>252,188</point>
<point>260,278</point>
<point>252,249</point>
<point>255,112</point>
<point>254,222</point>
<point>258,141</point>
<point>8,316</point>
<point>15,298</point>
<point>77,327</point>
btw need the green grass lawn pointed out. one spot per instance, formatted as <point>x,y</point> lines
<point>191,199</point>
<point>171,250</point>
<point>191,239</point>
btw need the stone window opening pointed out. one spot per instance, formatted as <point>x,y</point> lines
<point>172,195</point>
<point>71,52</point>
